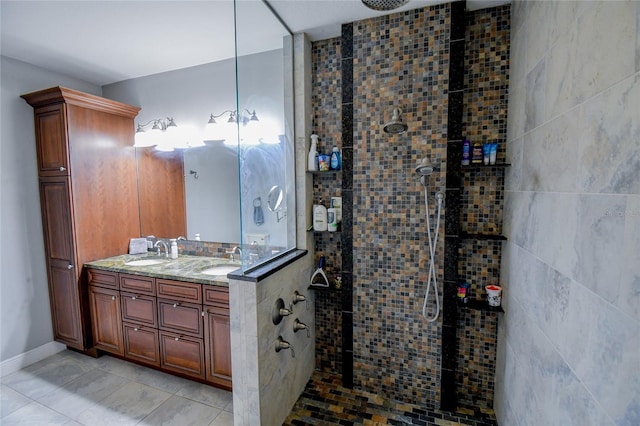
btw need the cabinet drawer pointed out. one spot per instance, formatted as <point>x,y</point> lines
<point>215,295</point>
<point>178,290</point>
<point>139,309</point>
<point>103,278</point>
<point>137,284</point>
<point>180,317</point>
<point>141,344</point>
<point>182,354</point>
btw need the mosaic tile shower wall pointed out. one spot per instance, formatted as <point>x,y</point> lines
<point>403,60</point>
<point>400,60</point>
<point>326,123</point>
<point>485,120</point>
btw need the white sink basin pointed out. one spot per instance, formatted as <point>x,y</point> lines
<point>144,262</point>
<point>220,270</point>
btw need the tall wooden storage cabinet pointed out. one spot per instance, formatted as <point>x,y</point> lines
<point>88,195</point>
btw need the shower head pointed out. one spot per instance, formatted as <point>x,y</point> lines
<point>395,126</point>
<point>424,168</point>
<point>384,4</point>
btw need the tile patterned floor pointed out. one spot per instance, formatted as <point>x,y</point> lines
<point>325,402</point>
<point>74,389</point>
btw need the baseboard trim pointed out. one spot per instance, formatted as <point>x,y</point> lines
<point>25,359</point>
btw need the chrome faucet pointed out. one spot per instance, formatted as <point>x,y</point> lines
<point>181,237</point>
<point>160,244</point>
<point>235,250</point>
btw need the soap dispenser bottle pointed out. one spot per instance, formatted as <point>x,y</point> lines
<point>174,248</point>
<point>312,164</point>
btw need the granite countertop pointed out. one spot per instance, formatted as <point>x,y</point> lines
<point>184,268</point>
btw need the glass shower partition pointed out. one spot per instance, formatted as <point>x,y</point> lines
<point>264,142</point>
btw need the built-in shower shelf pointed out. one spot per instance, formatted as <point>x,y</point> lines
<point>480,305</point>
<point>471,236</point>
<point>485,166</point>
<point>325,172</point>
<point>331,288</point>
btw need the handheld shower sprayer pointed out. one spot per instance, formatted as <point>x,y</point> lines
<point>424,169</point>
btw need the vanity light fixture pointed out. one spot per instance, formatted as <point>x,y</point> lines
<point>233,117</point>
<point>160,128</point>
<point>228,131</point>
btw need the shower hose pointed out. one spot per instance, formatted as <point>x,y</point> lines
<point>432,277</point>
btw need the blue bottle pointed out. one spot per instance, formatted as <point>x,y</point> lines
<point>336,160</point>
<point>466,148</point>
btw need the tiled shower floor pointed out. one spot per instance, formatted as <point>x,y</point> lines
<point>326,402</point>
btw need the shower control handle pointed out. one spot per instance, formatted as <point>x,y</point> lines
<point>297,297</point>
<point>298,325</point>
<point>283,344</point>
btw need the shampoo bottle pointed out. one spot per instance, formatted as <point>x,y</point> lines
<point>313,153</point>
<point>319,218</point>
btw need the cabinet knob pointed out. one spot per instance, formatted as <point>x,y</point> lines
<point>113,298</point>
<point>135,329</point>
<point>176,338</point>
<point>175,305</point>
<point>69,266</point>
<point>62,169</point>
<point>133,297</point>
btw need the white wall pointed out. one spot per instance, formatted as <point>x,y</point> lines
<point>569,344</point>
<point>25,319</point>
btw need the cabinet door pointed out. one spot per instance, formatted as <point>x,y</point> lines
<point>217,338</point>
<point>180,317</point>
<point>106,322</point>
<point>64,295</point>
<point>141,344</point>
<point>51,140</point>
<point>182,354</point>
<point>63,298</point>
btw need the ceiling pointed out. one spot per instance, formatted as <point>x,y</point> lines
<point>103,42</point>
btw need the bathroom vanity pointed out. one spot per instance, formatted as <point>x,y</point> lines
<point>172,314</point>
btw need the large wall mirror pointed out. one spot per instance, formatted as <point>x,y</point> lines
<point>214,178</point>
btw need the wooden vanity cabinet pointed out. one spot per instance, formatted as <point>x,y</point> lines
<point>106,321</point>
<point>178,326</point>
<point>217,336</point>
<point>88,197</point>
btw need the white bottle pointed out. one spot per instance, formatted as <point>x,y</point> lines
<point>197,237</point>
<point>319,217</point>
<point>313,152</point>
<point>174,248</point>
<point>332,220</point>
